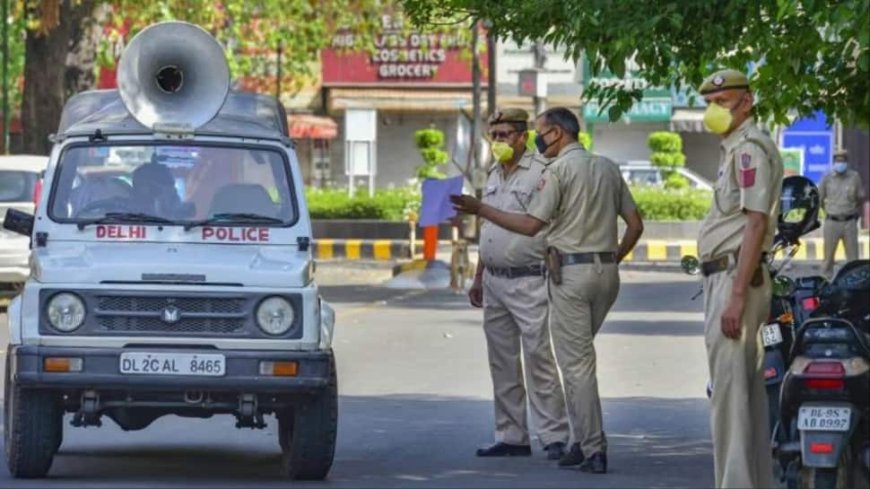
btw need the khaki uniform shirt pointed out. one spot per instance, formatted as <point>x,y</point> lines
<point>750,178</point>
<point>498,246</point>
<point>580,196</point>
<point>841,195</point>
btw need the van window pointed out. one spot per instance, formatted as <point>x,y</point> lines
<point>16,186</point>
<point>179,183</point>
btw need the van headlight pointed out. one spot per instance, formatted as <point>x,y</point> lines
<point>66,312</point>
<point>275,315</point>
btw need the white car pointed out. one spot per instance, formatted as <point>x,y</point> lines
<point>19,185</point>
<point>645,173</point>
<point>172,271</point>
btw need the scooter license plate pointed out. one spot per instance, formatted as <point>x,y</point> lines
<point>824,418</point>
<point>771,334</point>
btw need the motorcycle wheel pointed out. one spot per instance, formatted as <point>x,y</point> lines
<point>837,478</point>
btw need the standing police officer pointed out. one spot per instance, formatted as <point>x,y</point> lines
<point>734,238</point>
<point>841,193</point>
<point>511,287</point>
<point>579,196</point>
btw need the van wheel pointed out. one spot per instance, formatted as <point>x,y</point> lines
<point>307,433</point>
<point>33,427</point>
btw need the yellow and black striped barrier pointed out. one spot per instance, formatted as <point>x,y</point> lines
<point>646,251</point>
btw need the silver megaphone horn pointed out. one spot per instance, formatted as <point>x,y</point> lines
<point>173,73</point>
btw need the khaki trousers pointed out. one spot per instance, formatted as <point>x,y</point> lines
<point>834,231</point>
<point>515,322</point>
<point>578,307</point>
<point>741,435</point>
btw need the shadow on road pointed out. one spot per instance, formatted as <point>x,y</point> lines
<point>389,441</point>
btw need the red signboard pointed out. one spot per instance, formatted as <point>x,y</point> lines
<point>407,60</point>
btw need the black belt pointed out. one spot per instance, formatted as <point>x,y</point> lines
<point>579,258</point>
<point>843,218</point>
<point>517,272</point>
<point>722,263</point>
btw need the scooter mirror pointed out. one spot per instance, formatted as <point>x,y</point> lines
<point>690,264</point>
<point>783,286</point>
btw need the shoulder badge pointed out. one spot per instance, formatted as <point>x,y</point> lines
<point>745,160</point>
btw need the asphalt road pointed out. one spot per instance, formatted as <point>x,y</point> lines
<point>416,402</point>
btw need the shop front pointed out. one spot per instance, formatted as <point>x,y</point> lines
<point>410,81</point>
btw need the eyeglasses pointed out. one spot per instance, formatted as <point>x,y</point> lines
<point>496,135</point>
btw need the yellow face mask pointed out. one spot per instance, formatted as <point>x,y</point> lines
<point>717,119</point>
<point>502,152</point>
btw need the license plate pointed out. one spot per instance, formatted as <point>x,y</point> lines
<point>771,334</point>
<point>824,418</point>
<point>143,363</point>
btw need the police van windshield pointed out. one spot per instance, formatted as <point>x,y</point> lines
<point>173,184</point>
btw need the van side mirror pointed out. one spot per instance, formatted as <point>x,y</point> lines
<point>19,222</point>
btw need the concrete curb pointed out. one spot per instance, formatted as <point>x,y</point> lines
<point>648,251</point>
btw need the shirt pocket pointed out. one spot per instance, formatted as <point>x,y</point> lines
<point>519,200</point>
<point>726,192</point>
<point>489,194</point>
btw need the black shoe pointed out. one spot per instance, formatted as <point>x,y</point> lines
<point>555,451</point>
<point>573,457</point>
<point>505,450</point>
<point>596,464</point>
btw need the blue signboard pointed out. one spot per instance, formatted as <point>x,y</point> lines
<point>814,137</point>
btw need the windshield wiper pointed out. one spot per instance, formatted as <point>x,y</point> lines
<point>124,217</point>
<point>234,216</point>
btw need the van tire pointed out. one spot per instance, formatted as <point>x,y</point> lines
<point>307,434</point>
<point>33,427</point>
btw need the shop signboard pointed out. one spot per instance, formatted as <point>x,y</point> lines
<point>655,106</point>
<point>401,58</point>
<point>813,137</point>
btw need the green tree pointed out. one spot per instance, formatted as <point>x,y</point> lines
<point>64,41</point>
<point>667,154</point>
<point>809,54</point>
<point>430,142</point>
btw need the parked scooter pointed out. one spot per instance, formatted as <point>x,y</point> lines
<point>826,392</point>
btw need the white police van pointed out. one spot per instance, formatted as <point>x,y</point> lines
<point>171,267</point>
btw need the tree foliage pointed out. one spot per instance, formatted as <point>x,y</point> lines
<point>667,154</point>
<point>807,54</point>
<point>430,142</point>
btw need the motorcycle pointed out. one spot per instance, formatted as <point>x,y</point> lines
<point>825,399</point>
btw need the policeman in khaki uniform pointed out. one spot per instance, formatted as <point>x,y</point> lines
<point>734,239</point>
<point>578,199</point>
<point>511,287</point>
<point>842,194</point>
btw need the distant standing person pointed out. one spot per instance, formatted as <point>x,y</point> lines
<point>842,194</point>
<point>510,285</point>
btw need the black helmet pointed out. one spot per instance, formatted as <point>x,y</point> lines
<point>799,208</point>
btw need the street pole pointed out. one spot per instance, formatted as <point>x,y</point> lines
<point>540,59</point>
<point>475,102</point>
<point>5,75</point>
<point>492,88</point>
<point>278,86</point>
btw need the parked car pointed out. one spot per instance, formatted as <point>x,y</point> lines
<point>645,173</point>
<point>19,187</point>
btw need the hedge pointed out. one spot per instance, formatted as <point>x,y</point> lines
<point>655,204</point>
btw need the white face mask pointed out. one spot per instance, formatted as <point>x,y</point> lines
<point>841,166</point>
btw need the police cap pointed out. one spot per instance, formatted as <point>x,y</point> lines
<point>724,80</point>
<point>841,155</point>
<point>510,115</point>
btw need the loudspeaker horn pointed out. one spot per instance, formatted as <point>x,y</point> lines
<point>173,73</point>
